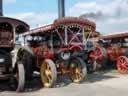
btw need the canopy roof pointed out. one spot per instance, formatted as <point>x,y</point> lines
<point>13,21</point>
<point>81,21</point>
<point>62,21</point>
<point>116,36</point>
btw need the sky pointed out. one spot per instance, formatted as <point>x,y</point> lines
<point>110,16</point>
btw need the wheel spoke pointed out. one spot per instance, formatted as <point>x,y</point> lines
<point>48,73</point>
<point>76,72</point>
<point>49,78</point>
<point>122,65</point>
<point>79,75</point>
<point>100,57</point>
<point>92,55</point>
<point>46,66</point>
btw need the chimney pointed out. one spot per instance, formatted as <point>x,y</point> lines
<point>1,8</point>
<point>61,8</point>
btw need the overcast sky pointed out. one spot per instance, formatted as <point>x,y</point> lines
<point>110,15</point>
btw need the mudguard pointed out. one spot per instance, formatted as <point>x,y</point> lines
<point>17,52</point>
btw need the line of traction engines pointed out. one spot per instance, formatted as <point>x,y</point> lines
<point>60,49</point>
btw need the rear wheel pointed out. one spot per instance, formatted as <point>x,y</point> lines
<point>18,80</point>
<point>78,70</point>
<point>122,65</point>
<point>48,73</point>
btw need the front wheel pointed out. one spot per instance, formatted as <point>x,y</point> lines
<point>48,73</point>
<point>18,80</point>
<point>122,65</point>
<point>98,58</point>
<point>78,70</point>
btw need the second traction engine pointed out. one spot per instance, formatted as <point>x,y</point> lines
<point>109,51</point>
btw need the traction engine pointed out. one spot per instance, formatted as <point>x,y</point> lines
<point>11,65</point>
<point>113,49</point>
<point>57,48</point>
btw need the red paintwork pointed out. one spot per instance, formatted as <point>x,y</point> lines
<point>43,52</point>
<point>96,54</point>
<point>122,65</point>
<point>70,42</point>
<point>113,52</point>
<point>76,48</point>
<point>73,47</point>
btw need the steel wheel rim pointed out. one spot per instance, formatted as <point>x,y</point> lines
<point>18,81</point>
<point>75,72</point>
<point>46,74</point>
<point>122,65</point>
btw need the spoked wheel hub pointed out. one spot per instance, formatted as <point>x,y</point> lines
<point>97,57</point>
<point>122,65</point>
<point>48,73</point>
<point>78,70</point>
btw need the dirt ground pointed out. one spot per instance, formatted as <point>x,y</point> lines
<point>107,83</point>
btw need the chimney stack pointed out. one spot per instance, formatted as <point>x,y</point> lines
<point>61,8</point>
<point>1,7</point>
